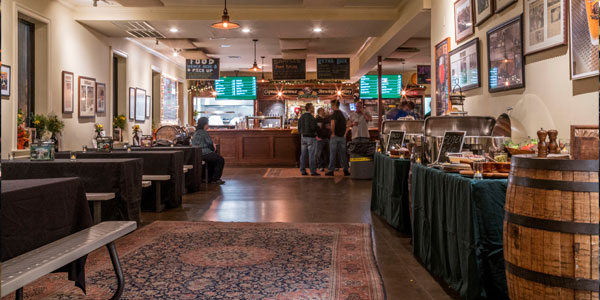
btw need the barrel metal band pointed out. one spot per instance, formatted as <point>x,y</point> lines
<point>580,284</point>
<point>552,225</point>
<point>574,186</point>
<point>531,162</point>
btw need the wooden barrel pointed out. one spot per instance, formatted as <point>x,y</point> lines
<point>551,229</point>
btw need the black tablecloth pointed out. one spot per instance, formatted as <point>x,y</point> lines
<point>37,212</point>
<point>120,176</point>
<point>155,163</point>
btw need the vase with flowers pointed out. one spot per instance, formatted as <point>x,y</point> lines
<point>136,137</point>
<point>22,135</point>
<point>98,128</point>
<point>39,122</point>
<point>55,126</point>
<point>119,122</point>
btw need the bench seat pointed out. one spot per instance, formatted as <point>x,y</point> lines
<point>158,203</point>
<point>96,199</point>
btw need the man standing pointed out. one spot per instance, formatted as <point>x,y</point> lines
<point>323,133</point>
<point>358,121</point>
<point>307,127</point>
<point>337,142</point>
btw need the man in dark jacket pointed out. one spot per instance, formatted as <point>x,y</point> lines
<point>307,127</point>
<point>323,133</point>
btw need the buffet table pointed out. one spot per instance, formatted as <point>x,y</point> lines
<point>457,230</point>
<point>389,193</point>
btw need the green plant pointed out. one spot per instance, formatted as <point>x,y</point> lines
<point>39,122</point>
<point>54,125</point>
<point>119,122</point>
<point>98,128</point>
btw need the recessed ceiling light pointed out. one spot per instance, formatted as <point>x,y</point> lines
<point>225,46</point>
<point>246,30</point>
<point>173,29</point>
<point>317,29</point>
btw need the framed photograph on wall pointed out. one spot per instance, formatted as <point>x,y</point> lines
<point>483,10</point>
<point>5,81</point>
<point>464,66</point>
<point>505,56</point>
<point>140,105</point>
<point>442,72</point>
<point>148,106</point>
<point>545,24</point>
<point>87,97</point>
<point>101,97</point>
<point>68,92</point>
<point>500,5</point>
<point>584,38</point>
<point>463,20</point>
<point>131,103</point>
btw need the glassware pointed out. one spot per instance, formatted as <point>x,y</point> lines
<point>128,149</point>
<point>84,148</point>
<point>72,156</point>
<point>11,156</point>
<point>477,170</point>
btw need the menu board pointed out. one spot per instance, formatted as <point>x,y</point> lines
<point>391,86</point>
<point>202,69</point>
<point>395,137</point>
<point>333,68</point>
<point>452,143</point>
<point>236,88</point>
<point>423,74</point>
<point>289,69</point>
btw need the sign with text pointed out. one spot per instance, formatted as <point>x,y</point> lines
<point>236,88</point>
<point>391,86</point>
<point>333,68</point>
<point>202,69</point>
<point>289,69</point>
<point>452,143</point>
<point>395,137</point>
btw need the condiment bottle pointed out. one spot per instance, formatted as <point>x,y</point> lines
<point>542,145</point>
<point>553,145</point>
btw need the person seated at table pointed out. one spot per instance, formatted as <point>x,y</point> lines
<point>403,112</point>
<point>214,161</point>
<point>412,112</point>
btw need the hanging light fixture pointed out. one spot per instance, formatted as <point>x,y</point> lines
<point>255,66</point>
<point>225,23</point>
<point>403,91</point>
<point>262,65</point>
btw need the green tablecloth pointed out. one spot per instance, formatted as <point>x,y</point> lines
<point>457,230</point>
<point>389,194</point>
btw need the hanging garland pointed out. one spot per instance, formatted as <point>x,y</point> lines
<point>199,87</point>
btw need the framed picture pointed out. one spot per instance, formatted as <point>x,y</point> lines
<point>100,97</point>
<point>483,10</point>
<point>500,5</point>
<point>464,66</point>
<point>423,74</point>
<point>442,72</point>
<point>32,132</point>
<point>148,106</point>
<point>131,103</point>
<point>545,24</point>
<point>584,38</point>
<point>463,20</point>
<point>5,81</point>
<point>505,56</point>
<point>117,134</point>
<point>140,105</point>
<point>87,97</point>
<point>68,92</point>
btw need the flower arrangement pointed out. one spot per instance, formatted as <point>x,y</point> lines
<point>136,128</point>
<point>22,135</point>
<point>119,122</point>
<point>54,125</point>
<point>39,122</point>
<point>98,128</point>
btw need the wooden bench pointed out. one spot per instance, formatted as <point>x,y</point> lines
<point>158,179</point>
<point>28,267</point>
<point>96,199</point>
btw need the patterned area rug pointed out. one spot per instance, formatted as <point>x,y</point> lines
<point>295,173</point>
<point>209,260</point>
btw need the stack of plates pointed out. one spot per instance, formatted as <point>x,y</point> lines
<point>456,168</point>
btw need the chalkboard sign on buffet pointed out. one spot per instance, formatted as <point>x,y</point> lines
<point>289,69</point>
<point>395,137</point>
<point>202,69</point>
<point>333,68</point>
<point>452,143</point>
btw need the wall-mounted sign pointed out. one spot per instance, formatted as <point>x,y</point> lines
<point>391,87</point>
<point>202,69</point>
<point>236,88</point>
<point>293,93</point>
<point>423,74</point>
<point>289,69</point>
<point>333,68</point>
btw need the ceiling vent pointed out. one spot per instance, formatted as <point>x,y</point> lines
<point>407,49</point>
<point>139,29</point>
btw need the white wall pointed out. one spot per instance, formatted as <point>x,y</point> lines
<point>76,48</point>
<point>550,98</point>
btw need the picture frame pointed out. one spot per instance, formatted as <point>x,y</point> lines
<point>506,69</point>
<point>442,74</point>
<point>87,97</point>
<point>545,24</point>
<point>140,105</point>
<point>463,20</point>
<point>465,66</point>
<point>68,92</point>
<point>583,36</point>
<point>5,80</point>
<point>131,103</point>
<point>117,135</point>
<point>423,74</point>
<point>100,97</point>
<point>483,10</point>
<point>500,5</point>
<point>32,133</point>
<point>148,106</point>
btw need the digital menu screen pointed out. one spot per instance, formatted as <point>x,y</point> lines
<point>236,88</point>
<point>391,86</point>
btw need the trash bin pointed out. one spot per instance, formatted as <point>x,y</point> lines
<point>361,159</point>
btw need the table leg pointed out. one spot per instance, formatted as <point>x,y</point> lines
<point>159,207</point>
<point>97,211</point>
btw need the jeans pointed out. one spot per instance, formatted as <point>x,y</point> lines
<point>337,147</point>
<point>308,148</point>
<point>215,164</point>
<point>323,153</point>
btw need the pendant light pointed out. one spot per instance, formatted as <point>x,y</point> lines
<point>225,23</point>
<point>403,91</point>
<point>255,67</point>
<point>262,65</point>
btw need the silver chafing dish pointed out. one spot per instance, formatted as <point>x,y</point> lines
<point>413,132</point>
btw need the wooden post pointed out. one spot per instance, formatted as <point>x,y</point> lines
<point>379,99</point>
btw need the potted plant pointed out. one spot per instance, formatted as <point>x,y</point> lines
<point>119,122</point>
<point>55,126</point>
<point>39,122</point>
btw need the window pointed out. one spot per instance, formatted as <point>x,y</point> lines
<point>26,67</point>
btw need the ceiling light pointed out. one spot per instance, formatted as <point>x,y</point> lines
<point>225,46</point>
<point>262,65</point>
<point>225,23</point>
<point>175,53</point>
<point>317,29</point>
<point>339,93</point>
<point>173,29</point>
<point>255,67</point>
<point>279,94</point>
<point>246,30</point>
<point>214,94</point>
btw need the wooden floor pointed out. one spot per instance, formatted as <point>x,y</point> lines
<point>248,197</point>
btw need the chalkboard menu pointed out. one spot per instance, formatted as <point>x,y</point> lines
<point>236,88</point>
<point>391,86</point>
<point>452,143</point>
<point>333,68</point>
<point>202,69</point>
<point>395,137</point>
<point>289,69</point>
<point>423,74</point>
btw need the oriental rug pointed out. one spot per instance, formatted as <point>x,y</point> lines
<point>295,173</point>
<point>213,260</point>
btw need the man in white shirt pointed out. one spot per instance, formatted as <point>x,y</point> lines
<point>358,121</point>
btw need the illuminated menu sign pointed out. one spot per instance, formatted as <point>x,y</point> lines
<point>391,86</point>
<point>236,88</point>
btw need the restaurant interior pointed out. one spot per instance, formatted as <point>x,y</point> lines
<point>466,166</point>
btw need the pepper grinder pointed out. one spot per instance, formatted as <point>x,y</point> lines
<point>553,145</point>
<point>542,145</point>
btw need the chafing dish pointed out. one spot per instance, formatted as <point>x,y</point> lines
<point>413,132</point>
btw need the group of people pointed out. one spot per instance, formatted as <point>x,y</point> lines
<point>406,110</point>
<point>323,138</point>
